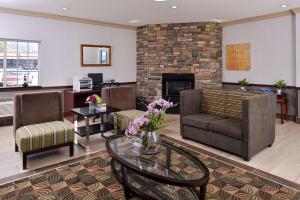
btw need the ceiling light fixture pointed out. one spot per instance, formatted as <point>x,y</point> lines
<point>134,21</point>
<point>65,8</point>
<point>174,7</point>
<point>159,0</point>
<point>217,20</point>
<point>284,6</point>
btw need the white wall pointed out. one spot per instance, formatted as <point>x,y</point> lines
<point>272,50</point>
<point>60,47</point>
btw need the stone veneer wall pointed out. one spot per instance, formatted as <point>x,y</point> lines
<point>178,48</point>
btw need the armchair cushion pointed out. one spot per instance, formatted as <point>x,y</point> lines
<point>38,108</point>
<point>229,127</point>
<point>125,117</point>
<point>200,120</point>
<point>40,136</point>
<point>122,97</point>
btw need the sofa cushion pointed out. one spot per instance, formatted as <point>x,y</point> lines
<point>200,120</point>
<point>234,103</point>
<point>40,136</point>
<point>229,127</point>
<point>213,102</point>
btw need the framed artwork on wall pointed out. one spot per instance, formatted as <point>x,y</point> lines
<point>238,57</point>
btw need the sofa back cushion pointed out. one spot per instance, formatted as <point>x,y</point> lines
<point>234,103</point>
<point>213,102</point>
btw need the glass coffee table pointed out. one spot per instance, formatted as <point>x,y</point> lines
<point>173,173</point>
<point>88,130</point>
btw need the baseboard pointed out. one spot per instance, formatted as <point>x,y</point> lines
<point>6,121</point>
<point>290,117</point>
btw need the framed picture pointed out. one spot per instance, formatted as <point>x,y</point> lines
<point>238,57</point>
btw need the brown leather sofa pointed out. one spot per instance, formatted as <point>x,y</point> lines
<point>238,122</point>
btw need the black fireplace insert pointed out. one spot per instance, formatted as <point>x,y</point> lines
<point>173,84</point>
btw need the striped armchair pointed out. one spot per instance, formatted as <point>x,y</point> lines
<point>122,97</point>
<point>39,125</point>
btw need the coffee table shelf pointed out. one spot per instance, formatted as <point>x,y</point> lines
<point>94,129</point>
<point>88,130</point>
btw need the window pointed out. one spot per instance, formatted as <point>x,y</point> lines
<point>19,61</point>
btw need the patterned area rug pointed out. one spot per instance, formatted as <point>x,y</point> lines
<point>92,179</point>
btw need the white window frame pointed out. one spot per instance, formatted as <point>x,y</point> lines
<point>5,58</point>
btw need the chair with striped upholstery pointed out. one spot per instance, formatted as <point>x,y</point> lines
<point>39,124</point>
<point>123,98</point>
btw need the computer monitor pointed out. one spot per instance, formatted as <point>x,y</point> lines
<point>96,77</point>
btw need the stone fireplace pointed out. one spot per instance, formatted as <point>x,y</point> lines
<point>184,48</point>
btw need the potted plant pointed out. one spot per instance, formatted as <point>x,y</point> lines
<point>243,83</point>
<point>280,85</point>
<point>93,101</point>
<point>143,129</point>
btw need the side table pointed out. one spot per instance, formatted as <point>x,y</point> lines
<point>284,106</point>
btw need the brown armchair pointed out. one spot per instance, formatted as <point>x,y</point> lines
<point>122,97</point>
<point>38,124</point>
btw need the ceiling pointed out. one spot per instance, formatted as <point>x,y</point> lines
<point>150,12</point>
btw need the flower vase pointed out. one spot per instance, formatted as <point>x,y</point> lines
<point>279,91</point>
<point>92,107</point>
<point>150,143</point>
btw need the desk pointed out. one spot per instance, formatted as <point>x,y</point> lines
<point>284,108</point>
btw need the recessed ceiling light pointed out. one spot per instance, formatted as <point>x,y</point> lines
<point>134,21</point>
<point>217,20</point>
<point>159,0</point>
<point>284,6</point>
<point>65,8</point>
<point>174,7</point>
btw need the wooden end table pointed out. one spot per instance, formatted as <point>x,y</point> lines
<point>284,106</point>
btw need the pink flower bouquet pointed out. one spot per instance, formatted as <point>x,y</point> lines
<point>94,99</point>
<point>152,120</point>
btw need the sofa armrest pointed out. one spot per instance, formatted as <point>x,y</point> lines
<point>190,102</point>
<point>259,114</point>
<point>189,105</point>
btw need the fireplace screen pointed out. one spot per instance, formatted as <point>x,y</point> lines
<point>173,84</point>
<point>174,87</point>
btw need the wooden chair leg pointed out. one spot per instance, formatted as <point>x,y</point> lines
<point>16,148</point>
<point>71,149</point>
<point>24,161</point>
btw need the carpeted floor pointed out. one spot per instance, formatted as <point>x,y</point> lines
<point>92,179</point>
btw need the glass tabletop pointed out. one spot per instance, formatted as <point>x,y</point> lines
<point>171,163</point>
<point>86,112</point>
<point>155,189</point>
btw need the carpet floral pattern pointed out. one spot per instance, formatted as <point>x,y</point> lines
<point>93,179</point>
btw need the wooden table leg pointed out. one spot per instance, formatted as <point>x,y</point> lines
<point>281,110</point>
<point>286,109</point>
